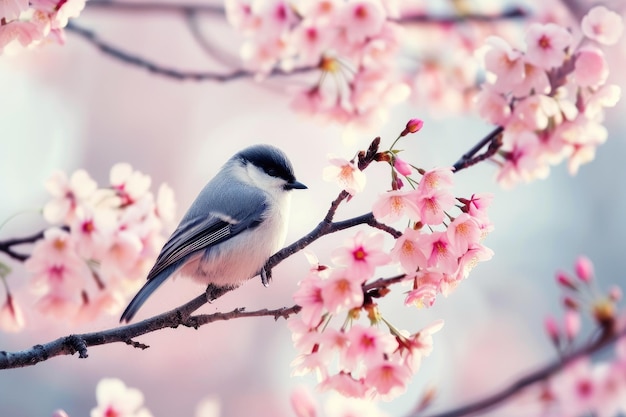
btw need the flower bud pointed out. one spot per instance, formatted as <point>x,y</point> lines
<point>584,269</point>
<point>412,126</point>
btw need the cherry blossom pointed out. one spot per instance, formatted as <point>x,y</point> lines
<point>68,194</point>
<point>347,175</point>
<point>11,315</point>
<point>116,399</point>
<point>547,44</point>
<point>395,205</point>
<point>602,25</point>
<point>408,251</point>
<point>362,254</point>
<point>342,291</point>
<point>11,9</point>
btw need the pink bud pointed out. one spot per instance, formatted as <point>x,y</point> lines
<point>412,126</point>
<point>59,413</point>
<point>615,293</point>
<point>570,303</point>
<point>584,269</point>
<point>552,328</point>
<point>402,166</point>
<point>572,324</point>
<point>564,280</point>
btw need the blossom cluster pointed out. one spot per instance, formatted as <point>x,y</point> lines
<point>550,95</point>
<point>585,387</point>
<point>25,23</point>
<point>352,43</point>
<point>433,253</point>
<point>101,242</point>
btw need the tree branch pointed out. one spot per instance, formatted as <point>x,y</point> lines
<point>69,345</point>
<point>541,374</point>
<point>494,139</point>
<point>181,75</point>
<point>6,246</point>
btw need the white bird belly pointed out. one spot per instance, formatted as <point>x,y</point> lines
<point>241,257</point>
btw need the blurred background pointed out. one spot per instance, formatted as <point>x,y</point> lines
<point>70,107</point>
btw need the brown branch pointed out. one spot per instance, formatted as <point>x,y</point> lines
<point>539,375</point>
<point>181,75</point>
<point>6,246</point>
<point>493,139</point>
<point>69,345</point>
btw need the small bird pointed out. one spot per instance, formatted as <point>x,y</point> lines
<point>236,223</point>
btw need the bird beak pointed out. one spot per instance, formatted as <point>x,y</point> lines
<point>296,185</point>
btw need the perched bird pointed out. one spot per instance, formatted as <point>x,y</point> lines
<point>236,223</point>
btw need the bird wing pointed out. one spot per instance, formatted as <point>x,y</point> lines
<point>201,231</point>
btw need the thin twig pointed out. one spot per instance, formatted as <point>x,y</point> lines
<point>182,75</point>
<point>516,387</point>
<point>468,158</point>
<point>6,246</point>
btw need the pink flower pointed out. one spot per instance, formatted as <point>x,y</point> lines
<point>547,45</point>
<point>67,195</point>
<point>59,413</point>
<point>590,69</point>
<point>477,205</point>
<point>308,41</point>
<point>65,10</point>
<point>602,25</point>
<point>388,379</point>
<point>419,345</point>
<point>439,252</point>
<point>361,19</point>
<point>19,32</point>
<point>433,206</point>
<point>11,9</point>
<point>239,14</point>
<point>116,399</point>
<point>463,232</point>
<point>342,292</point>
<point>394,205</point>
<point>493,106</point>
<point>58,303</point>
<point>535,80</point>
<point>345,384</point>
<point>105,301</point>
<point>50,274</point>
<point>309,297</point>
<point>422,296</point>
<point>367,344</point>
<point>505,63</point>
<point>436,179</point>
<point>535,111</point>
<point>11,316</point>
<point>475,253</point>
<point>362,254</point>
<point>130,185</point>
<point>347,175</point>
<point>302,403</point>
<point>408,251</point>
<point>93,231</point>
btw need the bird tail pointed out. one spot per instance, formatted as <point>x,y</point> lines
<point>142,296</point>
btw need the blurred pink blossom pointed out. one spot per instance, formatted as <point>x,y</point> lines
<point>11,315</point>
<point>116,399</point>
<point>346,174</point>
<point>602,25</point>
